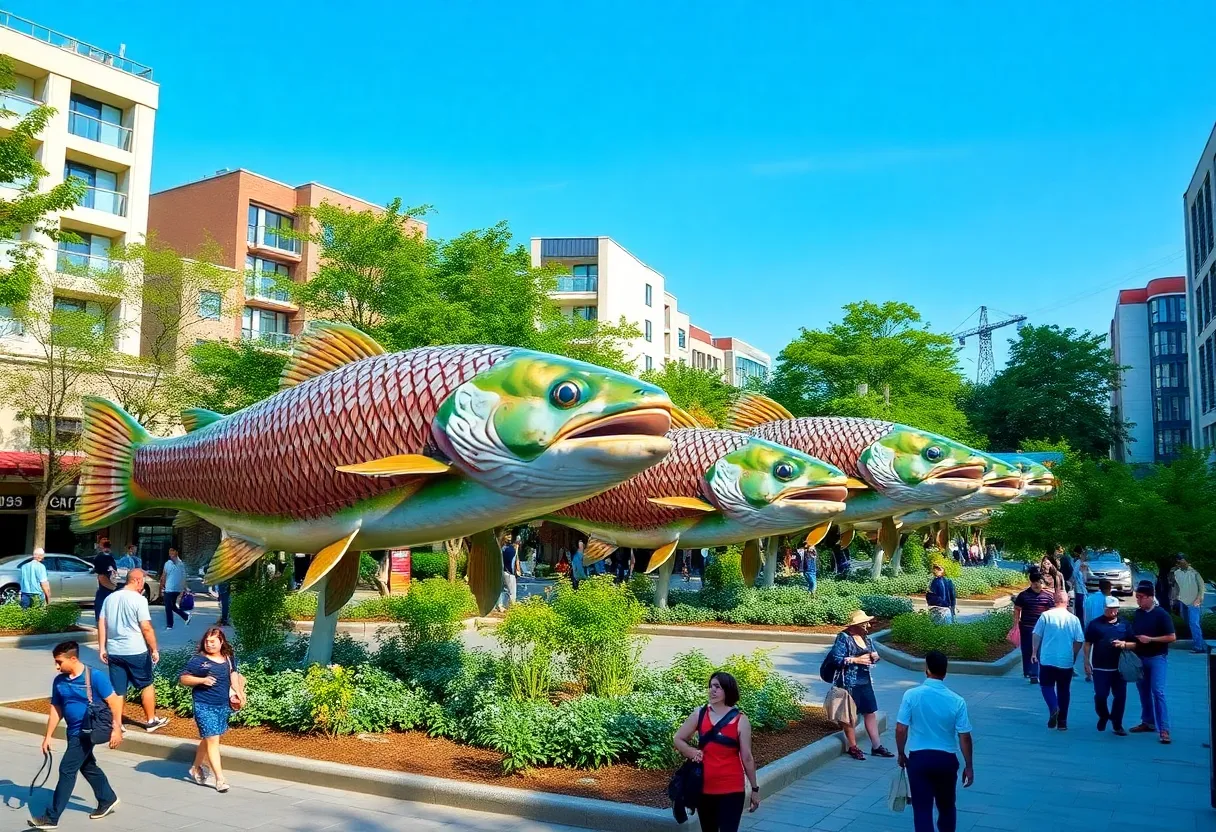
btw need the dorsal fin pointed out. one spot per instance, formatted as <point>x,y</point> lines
<point>751,409</point>
<point>325,346</point>
<point>195,418</point>
<point>681,418</point>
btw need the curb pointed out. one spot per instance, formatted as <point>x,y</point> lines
<point>909,662</point>
<point>568,810</point>
<point>918,601</point>
<point>87,635</point>
<point>681,631</point>
<point>361,628</point>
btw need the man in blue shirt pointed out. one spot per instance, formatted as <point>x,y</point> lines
<point>34,581</point>
<point>131,559</point>
<point>578,569</point>
<point>70,702</point>
<point>1102,635</point>
<point>1153,631</point>
<point>931,726</point>
<point>941,598</point>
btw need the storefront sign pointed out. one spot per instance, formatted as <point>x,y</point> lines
<point>15,501</point>
<point>399,570</point>
<point>59,503</point>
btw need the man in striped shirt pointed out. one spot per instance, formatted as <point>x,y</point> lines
<point>1029,604</point>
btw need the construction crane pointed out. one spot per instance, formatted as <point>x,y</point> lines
<point>986,368</point>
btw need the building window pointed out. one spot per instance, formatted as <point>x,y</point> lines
<point>649,363</point>
<point>67,429</point>
<point>1207,210</point>
<point>270,229</point>
<point>1169,442</point>
<point>1167,376</point>
<point>266,326</point>
<point>583,278</point>
<point>101,188</point>
<point>264,279</point>
<point>97,122</point>
<point>587,313</point>
<point>1211,364</point>
<point>648,333</point>
<point>1203,378</point>
<point>210,305</point>
<point>1167,310</point>
<point>682,340</point>
<point>746,368</point>
<point>649,295</point>
<point>1169,342</point>
<point>87,253</point>
<point>1172,408</point>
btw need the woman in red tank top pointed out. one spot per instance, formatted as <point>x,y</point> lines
<point>726,758</point>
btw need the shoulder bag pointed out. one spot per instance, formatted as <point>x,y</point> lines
<point>1130,666</point>
<point>686,784</point>
<point>236,687</point>
<point>98,723</point>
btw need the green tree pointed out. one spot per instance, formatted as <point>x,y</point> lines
<point>1056,387</point>
<point>881,362</point>
<point>703,393</point>
<point>27,214</point>
<point>233,376</point>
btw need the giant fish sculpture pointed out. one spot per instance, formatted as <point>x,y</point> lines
<point>1002,483</point>
<point>366,450</point>
<point>1037,480</point>
<point>717,487</point>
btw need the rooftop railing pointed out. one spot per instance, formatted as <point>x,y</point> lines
<point>88,50</point>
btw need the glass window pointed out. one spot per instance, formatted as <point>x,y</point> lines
<point>1207,210</point>
<point>649,363</point>
<point>209,305</point>
<point>683,343</point>
<point>647,333</point>
<point>1203,378</point>
<point>98,122</point>
<point>587,313</point>
<point>649,296</point>
<point>266,227</point>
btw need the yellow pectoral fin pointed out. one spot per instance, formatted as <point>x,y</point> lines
<point>597,550</point>
<point>396,466</point>
<point>326,560</point>
<point>661,555</point>
<point>694,503</point>
<point>846,537</point>
<point>817,534</point>
<point>341,583</point>
<point>857,485</point>
<point>231,558</point>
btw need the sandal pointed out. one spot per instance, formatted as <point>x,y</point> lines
<point>1165,738</point>
<point>855,753</point>
<point>221,786</point>
<point>880,752</point>
<point>197,775</point>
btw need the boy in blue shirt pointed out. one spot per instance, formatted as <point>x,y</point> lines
<point>70,702</point>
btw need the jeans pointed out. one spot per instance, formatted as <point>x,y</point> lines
<point>812,581</point>
<point>99,598</point>
<point>225,598</point>
<point>172,607</point>
<point>508,589</point>
<point>30,599</point>
<point>933,778</point>
<point>78,758</point>
<point>1079,606</point>
<point>1056,686</point>
<point>1029,667</point>
<point>1192,615</point>
<point>1152,693</point>
<point>1107,682</point>
<point>721,812</point>
<point>942,615</point>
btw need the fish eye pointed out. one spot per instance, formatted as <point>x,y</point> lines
<point>784,471</point>
<point>933,453</point>
<point>565,394</point>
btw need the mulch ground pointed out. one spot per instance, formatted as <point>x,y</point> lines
<point>992,652</point>
<point>415,752</point>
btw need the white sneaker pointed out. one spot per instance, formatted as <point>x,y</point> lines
<point>189,615</point>
<point>156,724</point>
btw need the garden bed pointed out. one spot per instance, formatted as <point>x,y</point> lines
<point>819,629</point>
<point>991,652</point>
<point>59,617</point>
<point>75,628</point>
<point>417,753</point>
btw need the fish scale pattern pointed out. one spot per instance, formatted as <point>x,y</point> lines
<point>279,457</point>
<point>681,474</point>
<point>835,439</point>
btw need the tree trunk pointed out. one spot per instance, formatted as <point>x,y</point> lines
<point>40,508</point>
<point>453,548</point>
<point>770,562</point>
<point>324,629</point>
<point>382,570</point>
<point>664,577</point>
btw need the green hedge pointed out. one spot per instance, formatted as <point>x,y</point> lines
<point>965,640</point>
<point>55,618</point>
<point>425,564</point>
<point>778,606</point>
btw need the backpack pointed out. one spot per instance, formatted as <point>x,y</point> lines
<point>686,784</point>
<point>827,669</point>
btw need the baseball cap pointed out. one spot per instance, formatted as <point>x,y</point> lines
<point>1180,556</point>
<point>1111,601</point>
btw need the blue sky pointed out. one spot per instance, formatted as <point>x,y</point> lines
<point>774,161</point>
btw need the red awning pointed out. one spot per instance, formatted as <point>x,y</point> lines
<point>28,463</point>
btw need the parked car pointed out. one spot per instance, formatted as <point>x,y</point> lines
<point>71,579</point>
<point>1116,569</point>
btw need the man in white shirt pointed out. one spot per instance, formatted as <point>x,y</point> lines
<point>932,725</point>
<point>127,644</point>
<point>1058,638</point>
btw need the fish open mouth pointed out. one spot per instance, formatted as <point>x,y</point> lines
<point>959,472</point>
<point>1005,482</point>
<point>822,493</point>
<point>651,421</point>
<point>1049,482</point>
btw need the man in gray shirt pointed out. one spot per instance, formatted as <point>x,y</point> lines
<point>128,644</point>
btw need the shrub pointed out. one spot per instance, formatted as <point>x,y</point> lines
<point>332,692</point>
<point>369,568</point>
<point>301,606</point>
<point>43,618</point>
<point>528,635</point>
<point>969,583</point>
<point>913,557</point>
<point>642,588</point>
<point>433,611</point>
<point>594,636</point>
<point>424,564</point>
<point>723,580</point>
<point>259,610</point>
<point>884,606</point>
<point>962,640</point>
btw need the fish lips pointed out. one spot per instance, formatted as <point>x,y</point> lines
<point>956,480</point>
<point>628,440</point>
<point>820,500</point>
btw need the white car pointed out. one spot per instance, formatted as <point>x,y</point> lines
<point>71,579</point>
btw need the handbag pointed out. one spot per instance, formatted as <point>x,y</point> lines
<point>1014,636</point>
<point>839,706</point>
<point>686,784</point>
<point>236,688</point>
<point>98,722</point>
<point>899,795</point>
<point>1130,666</point>
<point>187,601</point>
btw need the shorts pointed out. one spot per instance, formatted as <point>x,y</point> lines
<point>130,671</point>
<point>212,720</point>
<point>863,695</point>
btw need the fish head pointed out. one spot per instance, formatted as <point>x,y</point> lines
<point>1002,481</point>
<point>547,426</point>
<point>1037,479</point>
<point>915,466</point>
<point>773,488</point>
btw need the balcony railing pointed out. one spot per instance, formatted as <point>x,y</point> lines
<point>267,236</point>
<point>578,284</point>
<point>10,327</point>
<point>18,105</point>
<point>274,340</point>
<point>102,199</point>
<point>42,33</point>
<point>82,265</point>
<point>265,286</point>
<point>94,129</point>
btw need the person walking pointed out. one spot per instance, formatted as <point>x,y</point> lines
<point>1152,629</point>
<point>853,655</point>
<point>209,677</point>
<point>1095,602</point>
<point>1028,606</point>
<point>1049,568</point>
<point>1190,589</point>
<point>71,692</point>
<point>106,570</point>
<point>578,571</point>
<point>173,584</point>
<point>130,560</point>
<point>931,727</point>
<point>35,585</point>
<point>726,759</point>
<point>127,644</point>
<point>1080,575</point>
<point>1058,638</point>
<point>225,594</point>
<point>941,598</point>
<point>510,568</point>
<point>810,568</point>
<point>686,566</point>
<point>1103,635</point>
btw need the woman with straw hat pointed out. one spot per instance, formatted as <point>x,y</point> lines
<point>852,692</point>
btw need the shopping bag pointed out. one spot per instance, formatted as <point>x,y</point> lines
<point>898,795</point>
<point>1130,666</point>
<point>187,602</point>
<point>1014,636</point>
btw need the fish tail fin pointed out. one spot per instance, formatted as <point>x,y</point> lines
<point>107,481</point>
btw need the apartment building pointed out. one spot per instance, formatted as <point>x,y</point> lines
<point>102,132</point>
<point>251,218</point>
<point>1148,336</point>
<point>1200,288</point>
<point>607,282</point>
